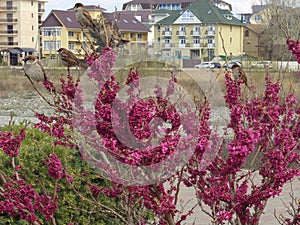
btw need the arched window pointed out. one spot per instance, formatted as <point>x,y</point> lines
<point>247,33</point>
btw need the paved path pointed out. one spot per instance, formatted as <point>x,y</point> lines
<point>199,218</point>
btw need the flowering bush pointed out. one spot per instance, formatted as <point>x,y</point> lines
<point>136,141</point>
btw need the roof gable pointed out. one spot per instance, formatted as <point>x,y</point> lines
<point>68,19</point>
<point>205,12</point>
<point>51,21</point>
<point>187,16</point>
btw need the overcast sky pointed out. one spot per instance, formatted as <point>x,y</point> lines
<point>239,6</point>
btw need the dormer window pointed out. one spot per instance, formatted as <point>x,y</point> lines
<point>228,16</point>
<point>187,15</point>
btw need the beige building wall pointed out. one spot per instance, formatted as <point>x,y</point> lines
<point>233,40</point>
<point>19,23</point>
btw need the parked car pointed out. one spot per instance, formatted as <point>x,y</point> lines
<point>205,65</point>
<point>262,64</point>
<point>216,65</point>
<point>231,64</point>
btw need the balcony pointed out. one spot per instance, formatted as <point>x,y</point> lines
<point>195,33</point>
<point>210,33</point>
<point>8,44</point>
<point>166,45</point>
<point>8,32</point>
<point>196,45</point>
<point>181,45</point>
<point>8,8</point>
<point>41,10</point>
<point>210,45</point>
<point>8,20</point>
<point>180,33</point>
<point>167,33</point>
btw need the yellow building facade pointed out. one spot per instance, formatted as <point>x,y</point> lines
<point>61,29</point>
<point>199,31</point>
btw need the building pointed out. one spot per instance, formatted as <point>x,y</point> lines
<point>196,32</point>
<point>61,29</point>
<point>132,29</point>
<point>263,36</point>
<point>150,5</point>
<point>252,36</point>
<point>19,27</point>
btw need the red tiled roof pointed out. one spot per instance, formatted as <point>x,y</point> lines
<point>143,14</point>
<point>62,17</point>
<point>51,21</point>
<point>127,22</point>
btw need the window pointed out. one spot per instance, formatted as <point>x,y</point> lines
<point>52,45</point>
<point>58,32</point>
<point>178,54</point>
<point>230,41</point>
<point>10,41</point>
<point>168,40</point>
<point>187,15</point>
<point>210,41</point>
<point>158,41</point>
<point>139,36</point>
<point>230,28</point>
<point>10,29</point>
<point>32,39</point>
<point>31,3</point>
<point>9,17</point>
<point>71,46</point>
<point>71,34</point>
<point>49,32</point>
<point>247,33</point>
<point>211,28</point>
<point>256,17</point>
<point>31,15</point>
<point>197,28</point>
<point>195,54</point>
<point>167,28</point>
<point>9,5</point>
<point>158,28</point>
<point>175,7</point>
<point>131,35</point>
<point>182,41</point>
<point>182,28</point>
<point>32,27</point>
<point>196,40</point>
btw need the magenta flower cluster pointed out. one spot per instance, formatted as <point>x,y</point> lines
<point>20,199</point>
<point>11,143</point>
<point>294,47</point>
<point>55,169</point>
<point>263,126</point>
